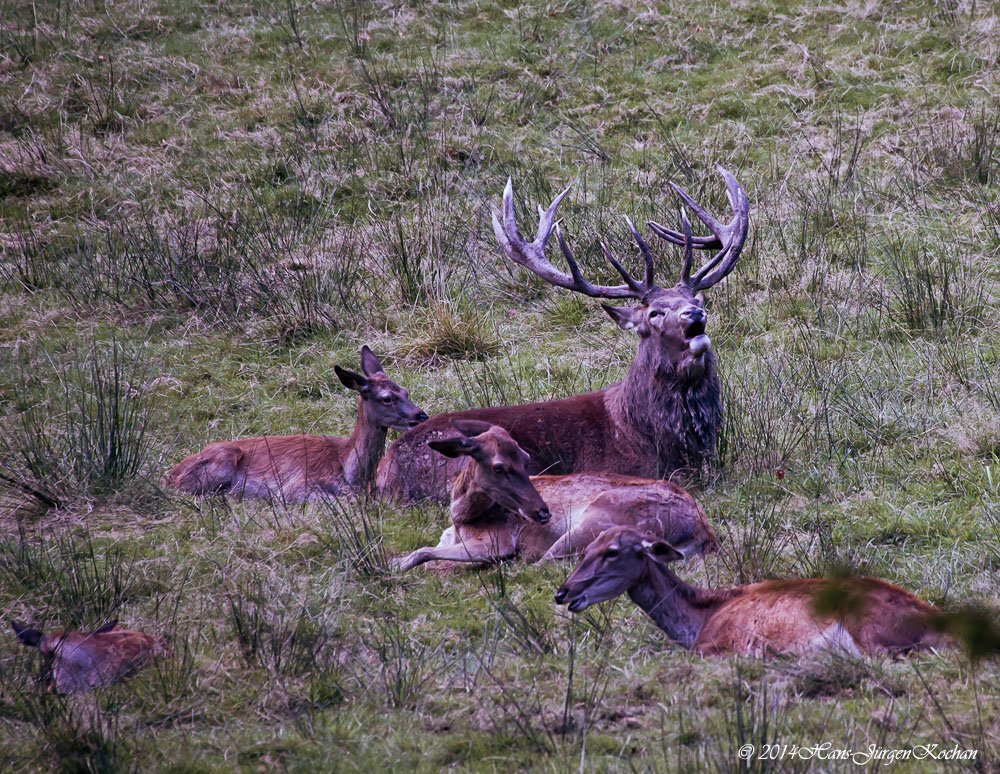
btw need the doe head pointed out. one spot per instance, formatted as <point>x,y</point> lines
<point>613,563</point>
<point>386,403</point>
<point>500,466</point>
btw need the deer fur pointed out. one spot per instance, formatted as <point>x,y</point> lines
<point>81,661</point>
<point>497,511</point>
<point>295,468</point>
<point>793,617</point>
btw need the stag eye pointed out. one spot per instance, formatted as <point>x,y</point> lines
<point>611,553</point>
<point>498,468</point>
<point>654,313</point>
<point>387,399</point>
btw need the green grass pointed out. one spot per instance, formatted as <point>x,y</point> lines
<point>204,207</point>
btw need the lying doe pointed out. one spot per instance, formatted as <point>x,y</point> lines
<point>296,468</point>
<point>81,661</point>
<point>852,615</point>
<point>497,511</point>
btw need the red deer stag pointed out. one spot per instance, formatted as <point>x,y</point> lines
<point>497,511</point>
<point>296,468</point>
<point>853,615</point>
<point>663,417</point>
<point>81,661</point>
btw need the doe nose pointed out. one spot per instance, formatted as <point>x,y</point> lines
<point>542,515</point>
<point>561,596</point>
<point>422,417</point>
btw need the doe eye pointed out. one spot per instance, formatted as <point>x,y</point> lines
<point>611,554</point>
<point>387,400</point>
<point>498,468</point>
<point>654,314</point>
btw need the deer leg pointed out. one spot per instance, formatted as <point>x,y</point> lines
<point>465,548</point>
<point>577,538</point>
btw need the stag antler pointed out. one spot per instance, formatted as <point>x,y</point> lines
<point>531,255</point>
<point>729,238</point>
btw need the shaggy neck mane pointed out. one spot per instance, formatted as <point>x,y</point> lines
<point>676,414</point>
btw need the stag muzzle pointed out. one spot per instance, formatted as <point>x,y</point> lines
<point>695,319</point>
<point>542,515</point>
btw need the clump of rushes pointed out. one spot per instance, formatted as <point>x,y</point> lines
<point>78,431</point>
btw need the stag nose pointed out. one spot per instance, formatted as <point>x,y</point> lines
<point>693,314</point>
<point>542,515</point>
<point>422,417</point>
<point>561,595</point>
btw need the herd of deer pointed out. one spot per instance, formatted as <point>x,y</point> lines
<point>553,480</point>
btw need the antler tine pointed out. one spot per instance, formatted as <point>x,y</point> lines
<point>728,238</point>
<point>574,269</point>
<point>688,249</point>
<point>726,259</point>
<point>677,237</point>
<point>531,255</point>
<point>647,256</point>
<point>629,279</point>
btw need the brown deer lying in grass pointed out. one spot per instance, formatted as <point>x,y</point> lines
<point>497,511</point>
<point>81,661</point>
<point>296,468</point>
<point>665,416</point>
<point>852,615</point>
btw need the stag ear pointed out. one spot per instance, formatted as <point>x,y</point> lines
<point>456,447</point>
<point>470,428</point>
<point>628,318</point>
<point>351,380</point>
<point>370,364</point>
<point>30,637</point>
<point>661,551</point>
<point>700,297</point>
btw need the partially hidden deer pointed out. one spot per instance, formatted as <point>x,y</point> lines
<point>849,615</point>
<point>666,414</point>
<point>498,511</point>
<point>295,468</point>
<point>81,661</point>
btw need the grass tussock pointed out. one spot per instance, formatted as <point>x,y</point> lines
<point>450,333</point>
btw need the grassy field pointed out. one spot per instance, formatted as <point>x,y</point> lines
<point>205,206</point>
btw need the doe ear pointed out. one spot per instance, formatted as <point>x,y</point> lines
<point>470,428</point>
<point>370,364</point>
<point>661,551</point>
<point>455,447</point>
<point>30,637</point>
<point>351,380</point>
<point>628,318</point>
<point>108,627</point>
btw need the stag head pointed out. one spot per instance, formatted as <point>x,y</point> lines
<point>671,319</point>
